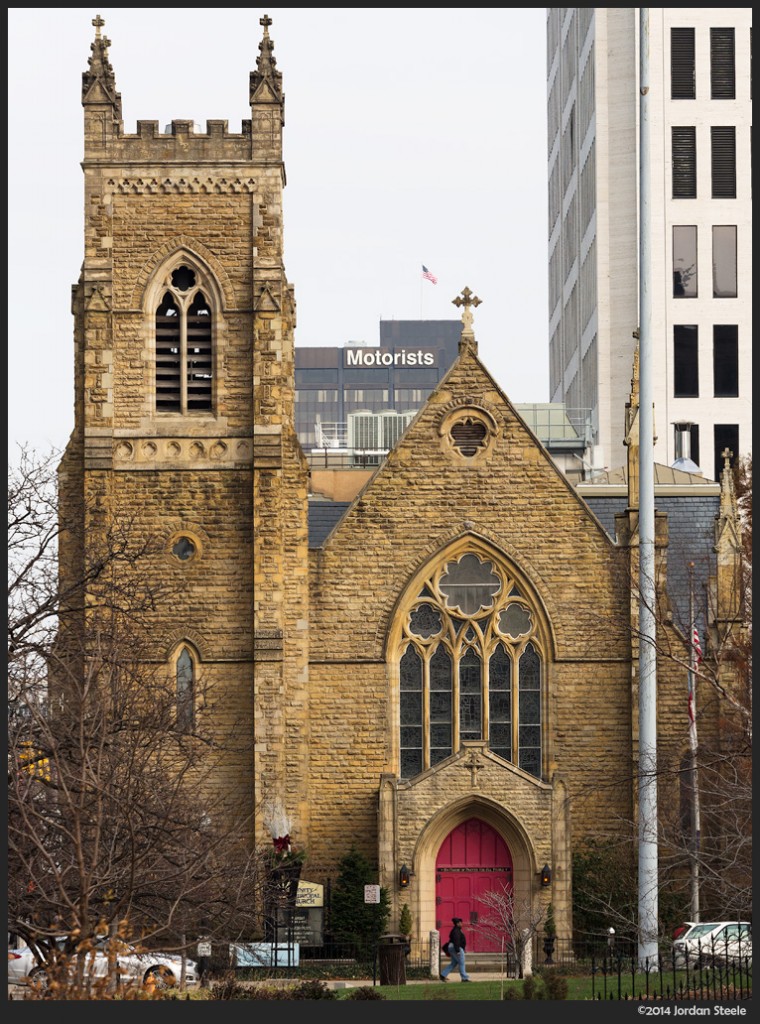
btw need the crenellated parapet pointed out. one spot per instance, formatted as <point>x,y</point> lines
<point>181,142</point>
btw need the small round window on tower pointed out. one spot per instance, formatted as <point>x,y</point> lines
<point>183,549</point>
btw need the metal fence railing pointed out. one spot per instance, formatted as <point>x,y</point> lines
<point>614,969</point>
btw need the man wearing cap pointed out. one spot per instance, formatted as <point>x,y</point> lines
<point>455,948</point>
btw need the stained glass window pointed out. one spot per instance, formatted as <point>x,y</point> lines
<point>470,668</point>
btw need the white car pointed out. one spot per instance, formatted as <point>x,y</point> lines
<point>163,970</point>
<point>24,967</point>
<point>715,942</point>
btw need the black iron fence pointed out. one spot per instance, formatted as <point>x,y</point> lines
<point>613,967</point>
<point>710,971</point>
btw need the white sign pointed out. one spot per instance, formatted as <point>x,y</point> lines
<point>204,949</point>
<point>265,954</point>
<point>362,357</point>
<point>371,893</point>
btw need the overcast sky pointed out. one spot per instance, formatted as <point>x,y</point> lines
<point>411,136</point>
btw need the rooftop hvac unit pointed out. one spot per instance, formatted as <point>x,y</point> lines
<point>393,426</point>
<point>364,430</point>
<point>377,430</point>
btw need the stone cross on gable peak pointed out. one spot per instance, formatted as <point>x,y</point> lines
<point>467,299</point>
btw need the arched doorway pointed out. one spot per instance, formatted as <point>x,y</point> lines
<point>473,859</point>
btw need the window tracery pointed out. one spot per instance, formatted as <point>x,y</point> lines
<point>470,668</point>
<point>184,338</point>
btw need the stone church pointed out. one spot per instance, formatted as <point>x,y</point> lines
<point>447,677</point>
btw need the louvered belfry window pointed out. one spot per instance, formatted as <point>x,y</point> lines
<point>684,140</point>
<point>722,64</point>
<point>184,356</point>
<point>723,139</point>
<point>682,67</point>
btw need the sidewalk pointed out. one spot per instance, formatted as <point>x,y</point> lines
<point>453,979</point>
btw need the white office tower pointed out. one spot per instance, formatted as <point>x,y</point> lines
<point>699,109</point>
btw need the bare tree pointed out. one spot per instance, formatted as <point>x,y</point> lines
<point>510,924</point>
<point>709,839</point>
<point>115,823</point>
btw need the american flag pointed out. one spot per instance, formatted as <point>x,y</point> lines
<point>697,659</point>
<point>429,275</point>
<point>696,645</point>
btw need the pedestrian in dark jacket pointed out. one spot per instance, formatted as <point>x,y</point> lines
<point>455,947</point>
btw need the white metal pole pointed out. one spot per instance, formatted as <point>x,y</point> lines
<point>695,824</point>
<point>647,820</point>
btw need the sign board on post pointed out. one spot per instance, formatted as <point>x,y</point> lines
<point>204,949</point>
<point>371,893</point>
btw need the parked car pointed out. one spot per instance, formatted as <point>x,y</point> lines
<point>163,970</point>
<point>715,942</point>
<point>24,966</point>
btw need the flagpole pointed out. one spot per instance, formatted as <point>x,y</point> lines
<point>693,751</point>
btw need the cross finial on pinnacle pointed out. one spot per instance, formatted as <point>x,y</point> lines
<point>98,23</point>
<point>727,456</point>
<point>266,21</point>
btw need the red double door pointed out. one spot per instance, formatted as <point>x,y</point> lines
<point>473,860</point>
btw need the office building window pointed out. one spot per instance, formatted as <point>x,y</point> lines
<point>722,64</point>
<point>685,261</point>
<point>685,361</point>
<point>682,68</point>
<point>366,395</point>
<point>410,398</point>
<point>724,261</point>
<point>695,443</point>
<point>723,160</point>
<point>726,438</point>
<point>684,159</point>
<point>726,360</point>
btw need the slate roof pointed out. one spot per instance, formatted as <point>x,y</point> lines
<point>323,515</point>
<point>691,536</point>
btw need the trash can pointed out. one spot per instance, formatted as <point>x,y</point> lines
<point>391,954</point>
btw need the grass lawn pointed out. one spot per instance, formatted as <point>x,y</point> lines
<point>578,988</point>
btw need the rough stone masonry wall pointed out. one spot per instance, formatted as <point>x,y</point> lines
<point>418,502</point>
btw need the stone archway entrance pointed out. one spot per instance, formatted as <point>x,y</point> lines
<point>472,859</point>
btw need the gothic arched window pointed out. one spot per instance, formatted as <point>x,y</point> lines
<point>184,356</point>
<point>185,673</point>
<point>470,668</point>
